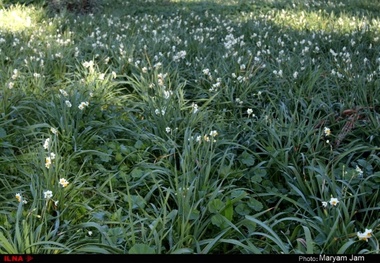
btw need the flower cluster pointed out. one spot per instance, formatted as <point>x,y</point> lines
<point>160,112</point>
<point>333,202</point>
<point>20,198</point>
<point>89,65</point>
<point>194,107</point>
<point>326,133</point>
<point>49,159</point>
<point>47,146</point>
<point>83,105</point>
<point>206,138</point>
<point>68,103</point>
<point>250,112</point>
<point>359,170</point>
<point>366,235</point>
<point>63,182</point>
<point>212,135</point>
<point>48,194</point>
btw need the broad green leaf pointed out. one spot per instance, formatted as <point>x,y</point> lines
<point>238,194</point>
<point>309,241</point>
<point>141,249</point>
<point>137,201</point>
<point>256,178</point>
<point>138,144</point>
<point>255,204</point>
<point>219,221</point>
<point>137,173</point>
<point>99,215</point>
<point>251,226</point>
<point>215,206</point>
<point>194,215</point>
<point>242,209</point>
<point>247,159</point>
<point>228,211</point>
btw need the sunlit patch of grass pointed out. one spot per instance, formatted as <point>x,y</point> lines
<point>19,18</point>
<point>321,20</point>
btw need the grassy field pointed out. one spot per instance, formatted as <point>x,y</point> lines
<point>189,126</point>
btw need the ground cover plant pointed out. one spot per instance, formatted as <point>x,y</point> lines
<point>189,126</point>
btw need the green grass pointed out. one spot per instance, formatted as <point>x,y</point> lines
<point>190,127</point>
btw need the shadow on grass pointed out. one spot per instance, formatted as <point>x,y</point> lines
<point>355,8</point>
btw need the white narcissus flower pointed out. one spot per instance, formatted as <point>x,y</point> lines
<point>63,182</point>
<point>47,162</point>
<point>213,133</point>
<point>327,131</point>
<point>83,104</point>
<point>358,170</point>
<point>54,130</point>
<point>46,143</point>
<point>366,235</point>
<point>18,197</point>
<point>48,194</point>
<point>63,92</point>
<point>334,201</point>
